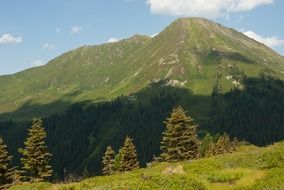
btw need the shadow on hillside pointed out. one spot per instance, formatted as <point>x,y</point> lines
<point>30,110</point>
<point>78,135</point>
<point>197,105</point>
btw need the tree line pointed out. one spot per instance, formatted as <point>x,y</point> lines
<point>179,143</point>
<point>254,114</point>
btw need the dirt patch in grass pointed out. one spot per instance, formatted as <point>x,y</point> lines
<point>174,170</point>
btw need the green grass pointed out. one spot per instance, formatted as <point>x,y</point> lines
<point>249,168</point>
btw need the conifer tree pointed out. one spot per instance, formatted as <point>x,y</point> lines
<point>220,146</point>
<point>211,150</point>
<point>190,144</point>
<point>207,146</point>
<point>128,156</point>
<point>117,161</point>
<point>179,141</point>
<point>223,145</point>
<point>6,172</point>
<point>108,161</point>
<point>35,160</point>
<point>228,143</point>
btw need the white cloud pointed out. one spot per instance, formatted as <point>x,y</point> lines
<point>269,41</point>
<point>203,8</point>
<point>111,40</point>
<point>76,29</point>
<point>48,46</point>
<point>10,39</point>
<point>37,63</point>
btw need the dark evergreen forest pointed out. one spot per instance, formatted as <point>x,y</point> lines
<point>78,137</point>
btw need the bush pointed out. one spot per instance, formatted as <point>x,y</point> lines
<point>223,177</point>
<point>272,160</point>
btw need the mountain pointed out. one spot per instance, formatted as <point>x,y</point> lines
<point>191,53</point>
<point>95,96</point>
<point>248,168</point>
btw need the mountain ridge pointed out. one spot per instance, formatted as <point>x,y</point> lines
<point>188,53</point>
<point>94,96</point>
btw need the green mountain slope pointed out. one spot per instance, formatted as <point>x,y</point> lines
<point>249,168</point>
<point>192,53</point>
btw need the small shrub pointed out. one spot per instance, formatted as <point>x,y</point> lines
<point>224,177</point>
<point>272,160</point>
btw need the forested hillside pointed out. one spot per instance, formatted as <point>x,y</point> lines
<point>78,137</point>
<point>142,95</point>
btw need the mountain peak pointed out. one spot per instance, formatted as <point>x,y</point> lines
<point>193,26</point>
<point>188,53</point>
<point>192,19</point>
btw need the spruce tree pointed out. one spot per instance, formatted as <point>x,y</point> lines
<point>211,150</point>
<point>35,160</point>
<point>207,146</point>
<point>6,172</point>
<point>128,156</point>
<point>179,141</point>
<point>228,143</point>
<point>190,144</point>
<point>223,145</point>
<point>117,161</point>
<point>220,146</point>
<point>108,161</point>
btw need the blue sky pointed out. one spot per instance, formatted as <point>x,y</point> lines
<point>32,32</point>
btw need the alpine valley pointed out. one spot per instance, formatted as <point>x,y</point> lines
<point>95,96</point>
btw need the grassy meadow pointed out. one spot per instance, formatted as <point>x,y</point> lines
<point>248,168</point>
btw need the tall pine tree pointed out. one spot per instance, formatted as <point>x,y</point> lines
<point>35,160</point>
<point>128,156</point>
<point>108,161</point>
<point>6,172</point>
<point>179,141</point>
